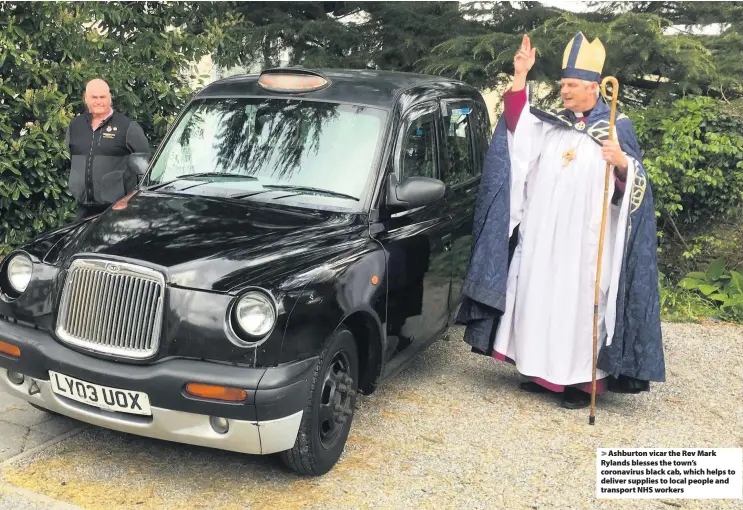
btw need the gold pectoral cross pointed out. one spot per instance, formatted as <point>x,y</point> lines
<point>568,156</point>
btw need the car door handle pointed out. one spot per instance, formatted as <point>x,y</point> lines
<point>447,242</point>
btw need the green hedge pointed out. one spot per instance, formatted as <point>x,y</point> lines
<point>694,158</point>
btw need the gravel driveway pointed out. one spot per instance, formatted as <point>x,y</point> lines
<point>453,431</point>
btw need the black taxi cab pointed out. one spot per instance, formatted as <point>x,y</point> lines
<point>297,238</point>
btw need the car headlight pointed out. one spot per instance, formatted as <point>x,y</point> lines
<point>19,271</point>
<point>255,314</point>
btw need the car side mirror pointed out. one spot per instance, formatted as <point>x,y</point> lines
<point>413,192</point>
<point>138,163</point>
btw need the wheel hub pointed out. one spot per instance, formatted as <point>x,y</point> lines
<point>336,402</point>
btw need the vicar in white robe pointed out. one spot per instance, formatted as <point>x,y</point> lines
<point>556,199</point>
<point>528,296</point>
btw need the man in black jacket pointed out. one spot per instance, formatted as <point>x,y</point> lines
<point>100,142</point>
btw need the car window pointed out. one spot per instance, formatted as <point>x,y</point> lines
<point>418,156</point>
<point>286,142</point>
<point>460,124</point>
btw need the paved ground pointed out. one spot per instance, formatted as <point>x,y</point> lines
<point>450,432</point>
<point>23,431</point>
<point>22,427</point>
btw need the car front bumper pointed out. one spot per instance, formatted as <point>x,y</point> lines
<point>244,436</point>
<point>267,422</point>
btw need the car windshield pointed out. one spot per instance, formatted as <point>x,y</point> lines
<point>258,145</point>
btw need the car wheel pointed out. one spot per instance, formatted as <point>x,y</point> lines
<point>327,419</point>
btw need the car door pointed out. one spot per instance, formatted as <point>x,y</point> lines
<point>466,128</point>
<point>417,242</point>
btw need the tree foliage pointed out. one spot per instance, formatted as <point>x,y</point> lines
<point>653,61</point>
<point>361,35</point>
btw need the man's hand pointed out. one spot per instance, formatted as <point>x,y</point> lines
<point>613,154</point>
<point>522,63</point>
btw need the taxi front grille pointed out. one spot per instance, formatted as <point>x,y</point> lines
<point>112,308</point>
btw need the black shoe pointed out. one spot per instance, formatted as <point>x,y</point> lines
<point>624,384</point>
<point>573,398</point>
<point>482,353</point>
<point>532,387</point>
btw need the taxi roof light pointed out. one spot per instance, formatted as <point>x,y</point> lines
<point>292,80</point>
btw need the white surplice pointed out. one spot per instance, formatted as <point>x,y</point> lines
<point>547,327</point>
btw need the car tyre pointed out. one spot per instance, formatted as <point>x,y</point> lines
<point>327,419</point>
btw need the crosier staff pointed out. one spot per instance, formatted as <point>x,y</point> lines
<point>612,117</point>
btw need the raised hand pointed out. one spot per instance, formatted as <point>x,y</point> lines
<point>525,58</point>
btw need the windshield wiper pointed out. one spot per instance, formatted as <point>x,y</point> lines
<point>217,174</point>
<point>310,189</point>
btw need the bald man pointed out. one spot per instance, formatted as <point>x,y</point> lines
<point>100,142</point>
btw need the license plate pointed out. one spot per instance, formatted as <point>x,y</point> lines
<point>110,399</point>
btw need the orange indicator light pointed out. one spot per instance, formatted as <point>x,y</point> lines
<point>215,392</point>
<point>10,349</point>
